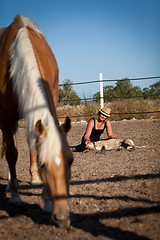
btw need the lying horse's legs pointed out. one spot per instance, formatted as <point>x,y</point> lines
<point>11,157</point>
<point>35,178</point>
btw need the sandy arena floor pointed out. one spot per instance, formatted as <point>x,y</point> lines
<point>113,195</point>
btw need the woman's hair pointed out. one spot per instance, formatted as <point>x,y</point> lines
<point>97,116</point>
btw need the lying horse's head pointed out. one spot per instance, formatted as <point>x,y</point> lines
<point>55,169</point>
<point>90,145</point>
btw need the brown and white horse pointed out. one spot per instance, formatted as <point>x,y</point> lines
<point>29,90</point>
<point>109,144</point>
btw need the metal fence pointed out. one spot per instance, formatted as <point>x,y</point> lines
<point>110,80</point>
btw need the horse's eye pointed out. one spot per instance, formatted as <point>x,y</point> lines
<point>43,166</point>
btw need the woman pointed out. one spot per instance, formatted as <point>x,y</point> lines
<point>95,128</point>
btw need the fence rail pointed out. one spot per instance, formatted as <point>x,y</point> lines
<point>89,115</point>
<point>96,98</point>
<point>111,80</point>
<point>107,97</point>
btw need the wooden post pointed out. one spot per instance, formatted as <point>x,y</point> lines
<point>101,89</point>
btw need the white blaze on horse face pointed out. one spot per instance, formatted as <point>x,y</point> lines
<point>57,161</point>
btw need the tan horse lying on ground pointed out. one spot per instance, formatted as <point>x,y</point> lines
<point>111,144</point>
<point>29,89</point>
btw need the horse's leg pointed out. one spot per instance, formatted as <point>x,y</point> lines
<point>35,178</point>
<point>11,157</point>
<point>9,182</point>
<point>2,147</point>
<point>15,138</point>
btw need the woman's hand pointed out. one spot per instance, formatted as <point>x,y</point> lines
<point>87,141</point>
<point>112,137</point>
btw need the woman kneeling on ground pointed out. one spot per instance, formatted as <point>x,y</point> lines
<point>95,128</point>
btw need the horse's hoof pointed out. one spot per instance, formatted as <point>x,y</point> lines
<point>36,181</point>
<point>7,188</point>
<point>61,222</point>
<point>130,148</point>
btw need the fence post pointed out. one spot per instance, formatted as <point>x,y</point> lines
<point>101,89</point>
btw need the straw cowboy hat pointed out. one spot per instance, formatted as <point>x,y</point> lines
<point>105,111</point>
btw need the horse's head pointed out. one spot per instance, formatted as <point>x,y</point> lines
<point>55,171</point>
<point>90,145</point>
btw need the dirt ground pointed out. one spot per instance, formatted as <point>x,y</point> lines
<point>113,195</point>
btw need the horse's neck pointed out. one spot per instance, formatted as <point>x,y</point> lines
<point>2,30</point>
<point>28,85</point>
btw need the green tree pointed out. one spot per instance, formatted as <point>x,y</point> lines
<point>123,88</point>
<point>136,91</point>
<point>67,95</point>
<point>109,93</point>
<point>153,89</point>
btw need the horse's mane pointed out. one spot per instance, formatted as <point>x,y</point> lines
<point>28,23</point>
<point>27,83</point>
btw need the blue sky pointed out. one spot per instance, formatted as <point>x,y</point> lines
<point>120,38</point>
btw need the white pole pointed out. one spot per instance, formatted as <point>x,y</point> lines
<point>101,89</point>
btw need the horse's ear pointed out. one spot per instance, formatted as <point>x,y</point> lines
<point>40,130</point>
<point>65,127</point>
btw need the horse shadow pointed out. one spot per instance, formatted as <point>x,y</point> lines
<point>89,223</point>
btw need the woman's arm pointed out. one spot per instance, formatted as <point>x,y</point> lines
<point>109,129</point>
<point>89,130</point>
